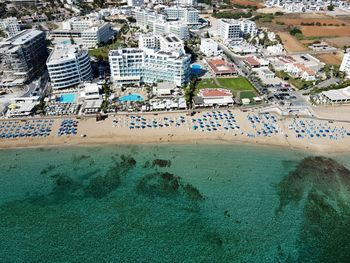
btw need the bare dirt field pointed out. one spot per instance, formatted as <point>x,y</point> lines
<point>290,43</point>
<point>270,10</point>
<point>248,3</point>
<point>307,41</point>
<point>339,42</point>
<point>326,31</point>
<point>331,59</point>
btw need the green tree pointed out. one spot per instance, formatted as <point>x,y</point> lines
<point>3,10</point>
<point>99,3</point>
<point>2,33</point>
<point>190,91</point>
<point>295,31</point>
<point>330,7</point>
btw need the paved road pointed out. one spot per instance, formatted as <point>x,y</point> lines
<point>242,69</point>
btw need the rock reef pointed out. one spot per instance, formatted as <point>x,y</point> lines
<point>161,163</point>
<point>322,187</point>
<point>164,184</point>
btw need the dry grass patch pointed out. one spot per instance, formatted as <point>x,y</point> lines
<point>290,43</point>
<point>325,31</point>
<point>331,59</point>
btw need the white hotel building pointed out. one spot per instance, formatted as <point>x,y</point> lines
<point>187,2</point>
<point>187,15</point>
<point>209,47</point>
<point>167,43</point>
<point>68,66</point>
<point>86,32</point>
<point>232,29</point>
<point>135,3</point>
<point>135,65</point>
<point>10,25</point>
<point>158,25</point>
<point>345,65</point>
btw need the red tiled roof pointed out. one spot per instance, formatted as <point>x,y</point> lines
<point>252,61</point>
<point>219,66</point>
<point>206,93</point>
<point>304,69</point>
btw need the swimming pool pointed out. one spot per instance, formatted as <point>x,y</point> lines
<point>131,97</point>
<point>67,98</point>
<point>66,42</point>
<point>196,69</point>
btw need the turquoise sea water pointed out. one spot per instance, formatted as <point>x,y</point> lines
<point>173,203</point>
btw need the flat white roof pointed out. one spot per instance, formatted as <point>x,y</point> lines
<point>63,52</point>
<point>91,87</point>
<point>340,94</point>
<point>22,37</point>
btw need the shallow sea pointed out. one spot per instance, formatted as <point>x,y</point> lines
<point>173,203</point>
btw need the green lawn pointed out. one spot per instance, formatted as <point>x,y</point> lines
<point>207,84</point>
<point>236,84</point>
<point>233,84</point>
<point>247,95</point>
<point>102,52</point>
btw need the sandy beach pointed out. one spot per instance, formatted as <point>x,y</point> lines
<point>116,130</point>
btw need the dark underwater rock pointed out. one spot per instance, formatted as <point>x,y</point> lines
<point>64,183</point>
<point>321,172</point>
<point>101,186</point>
<point>48,169</point>
<point>214,239</point>
<point>192,193</point>
<point>147,164</point>
<point>128,160</point>
<point>161,163</point>
<point>78,158</point>
<point>159,184</point>
<point>322,187</point>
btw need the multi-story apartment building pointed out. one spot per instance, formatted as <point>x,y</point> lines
<point>23,56</point>
<point>86,32</point>
<point>135,2</point>
<point>345,65</point>
<point>149,41</point>
<point>10,25</point>
<point>135,65</point>
<point>301,6</point>
<point>167,43</point>
<point>209,47</point>
<point>158,25</point>
<point>187,15</point>
<point>177,28</point>
<point>231,29</point>
<point>187,2</point>
<point>145,18</point>
<point>68,66</point>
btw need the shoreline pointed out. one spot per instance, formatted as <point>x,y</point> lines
<point>85,142</point>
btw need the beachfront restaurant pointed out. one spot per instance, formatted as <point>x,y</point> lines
<point>22,106</point>
<point>22,109</point>
<point>340,96</point>
<point>167,104</point>
<point>212,98</point>
<point>92,106</point>
<point>220,68</point>
<point>164,89</point>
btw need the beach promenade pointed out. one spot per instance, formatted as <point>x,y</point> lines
<point>211,126</point>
